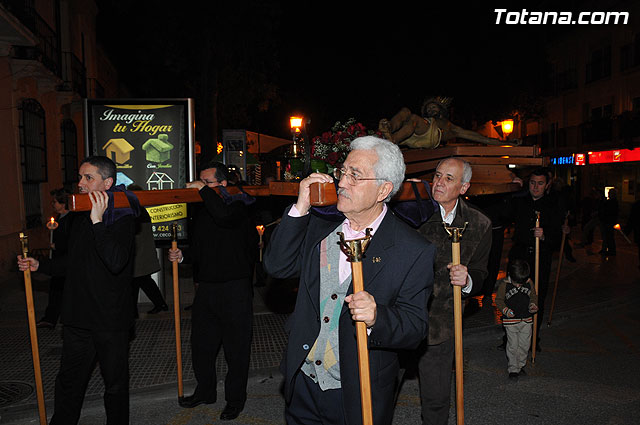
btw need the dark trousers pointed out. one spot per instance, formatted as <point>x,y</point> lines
<point>148,285</point>
<point>434,373</point>
<point>608,238</point>
<point>310,405</point>
<point>80,350</point>
<point>222,315</point>
<point>56,287</point>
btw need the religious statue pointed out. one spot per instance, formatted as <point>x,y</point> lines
<point>432,128</point>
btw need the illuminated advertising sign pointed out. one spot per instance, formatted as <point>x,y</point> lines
<point>581,159</point>
<point>151,143</point>
<point>562,160</point>
<point>618,155</point>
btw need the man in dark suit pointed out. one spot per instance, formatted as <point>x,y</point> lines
<point>97,310</point>
<point>223,254</point>
<point>321,381</point>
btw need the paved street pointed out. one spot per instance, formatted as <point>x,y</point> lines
<point>587,372</point>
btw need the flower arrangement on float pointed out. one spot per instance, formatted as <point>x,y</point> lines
<point>330,149</point>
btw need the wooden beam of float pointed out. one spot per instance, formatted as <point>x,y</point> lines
<point>321,195</point>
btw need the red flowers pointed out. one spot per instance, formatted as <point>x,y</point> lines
<point>334,146</point>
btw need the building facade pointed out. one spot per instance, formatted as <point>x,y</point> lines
<point>49,61</point>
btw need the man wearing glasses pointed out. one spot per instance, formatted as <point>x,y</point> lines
<point>224,244</point>
<point>320,363</point>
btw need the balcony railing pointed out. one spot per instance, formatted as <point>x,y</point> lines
<point>615,132</point>
<point>74,74</point>
<point>48,50</point>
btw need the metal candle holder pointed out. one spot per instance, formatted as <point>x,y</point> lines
<point>354,249</point>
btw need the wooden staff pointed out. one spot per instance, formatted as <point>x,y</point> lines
<point>555,288</point>
<point>354,249</point>
<point>537,279</point>
<point>33,333</point>
<point>456,233</point>
<point>176,310</point>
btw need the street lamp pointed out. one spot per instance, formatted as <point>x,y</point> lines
<point>507,127</point>
<point>296,124</point>
<point>299,131</point>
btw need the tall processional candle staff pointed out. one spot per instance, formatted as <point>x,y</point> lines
<point>33,333</point>
<point>176,309</point>
<point>456,233</point>
<point>51,225</point>
<point>536,280</point>
<point>354,250</point>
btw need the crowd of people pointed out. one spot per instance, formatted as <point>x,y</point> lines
<point>406,304</point>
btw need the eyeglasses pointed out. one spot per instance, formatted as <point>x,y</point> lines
<point>352,178</point>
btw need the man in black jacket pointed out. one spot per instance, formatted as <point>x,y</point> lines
<point>522,211</point>
<point>97,307</point>
<point>223,254</point>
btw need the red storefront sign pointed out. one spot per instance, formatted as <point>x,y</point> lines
<point>618,155</point>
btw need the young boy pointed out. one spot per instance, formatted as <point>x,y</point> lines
<point>517,300</point>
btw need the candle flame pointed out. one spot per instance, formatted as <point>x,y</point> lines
<point>617,226</point>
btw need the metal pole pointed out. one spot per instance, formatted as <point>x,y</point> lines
<point>555,288</point>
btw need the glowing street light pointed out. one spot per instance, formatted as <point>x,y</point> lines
<point>507,127</point>
<point>296,124</point>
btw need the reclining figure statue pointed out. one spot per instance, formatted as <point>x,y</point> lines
<point>432,128</point>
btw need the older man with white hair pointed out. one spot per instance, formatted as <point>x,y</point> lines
<point>320,368</point>
<point>451,180</point>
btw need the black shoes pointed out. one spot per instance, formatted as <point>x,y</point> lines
<point>230,412</point>
<point>158,309</point>
<point>522,372</point>
<point>513,376</point>
<point>192,401</point>
<point>46,325</point>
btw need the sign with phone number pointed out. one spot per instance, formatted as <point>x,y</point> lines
<point>162,217</point>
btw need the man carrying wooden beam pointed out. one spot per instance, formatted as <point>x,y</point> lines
<point>223,253</point>
<point>97,310</point>
<point>320,366</point>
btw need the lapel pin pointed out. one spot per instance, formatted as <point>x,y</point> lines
<point>376,259</point>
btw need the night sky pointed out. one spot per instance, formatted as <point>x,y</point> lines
<point>328,60</point>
